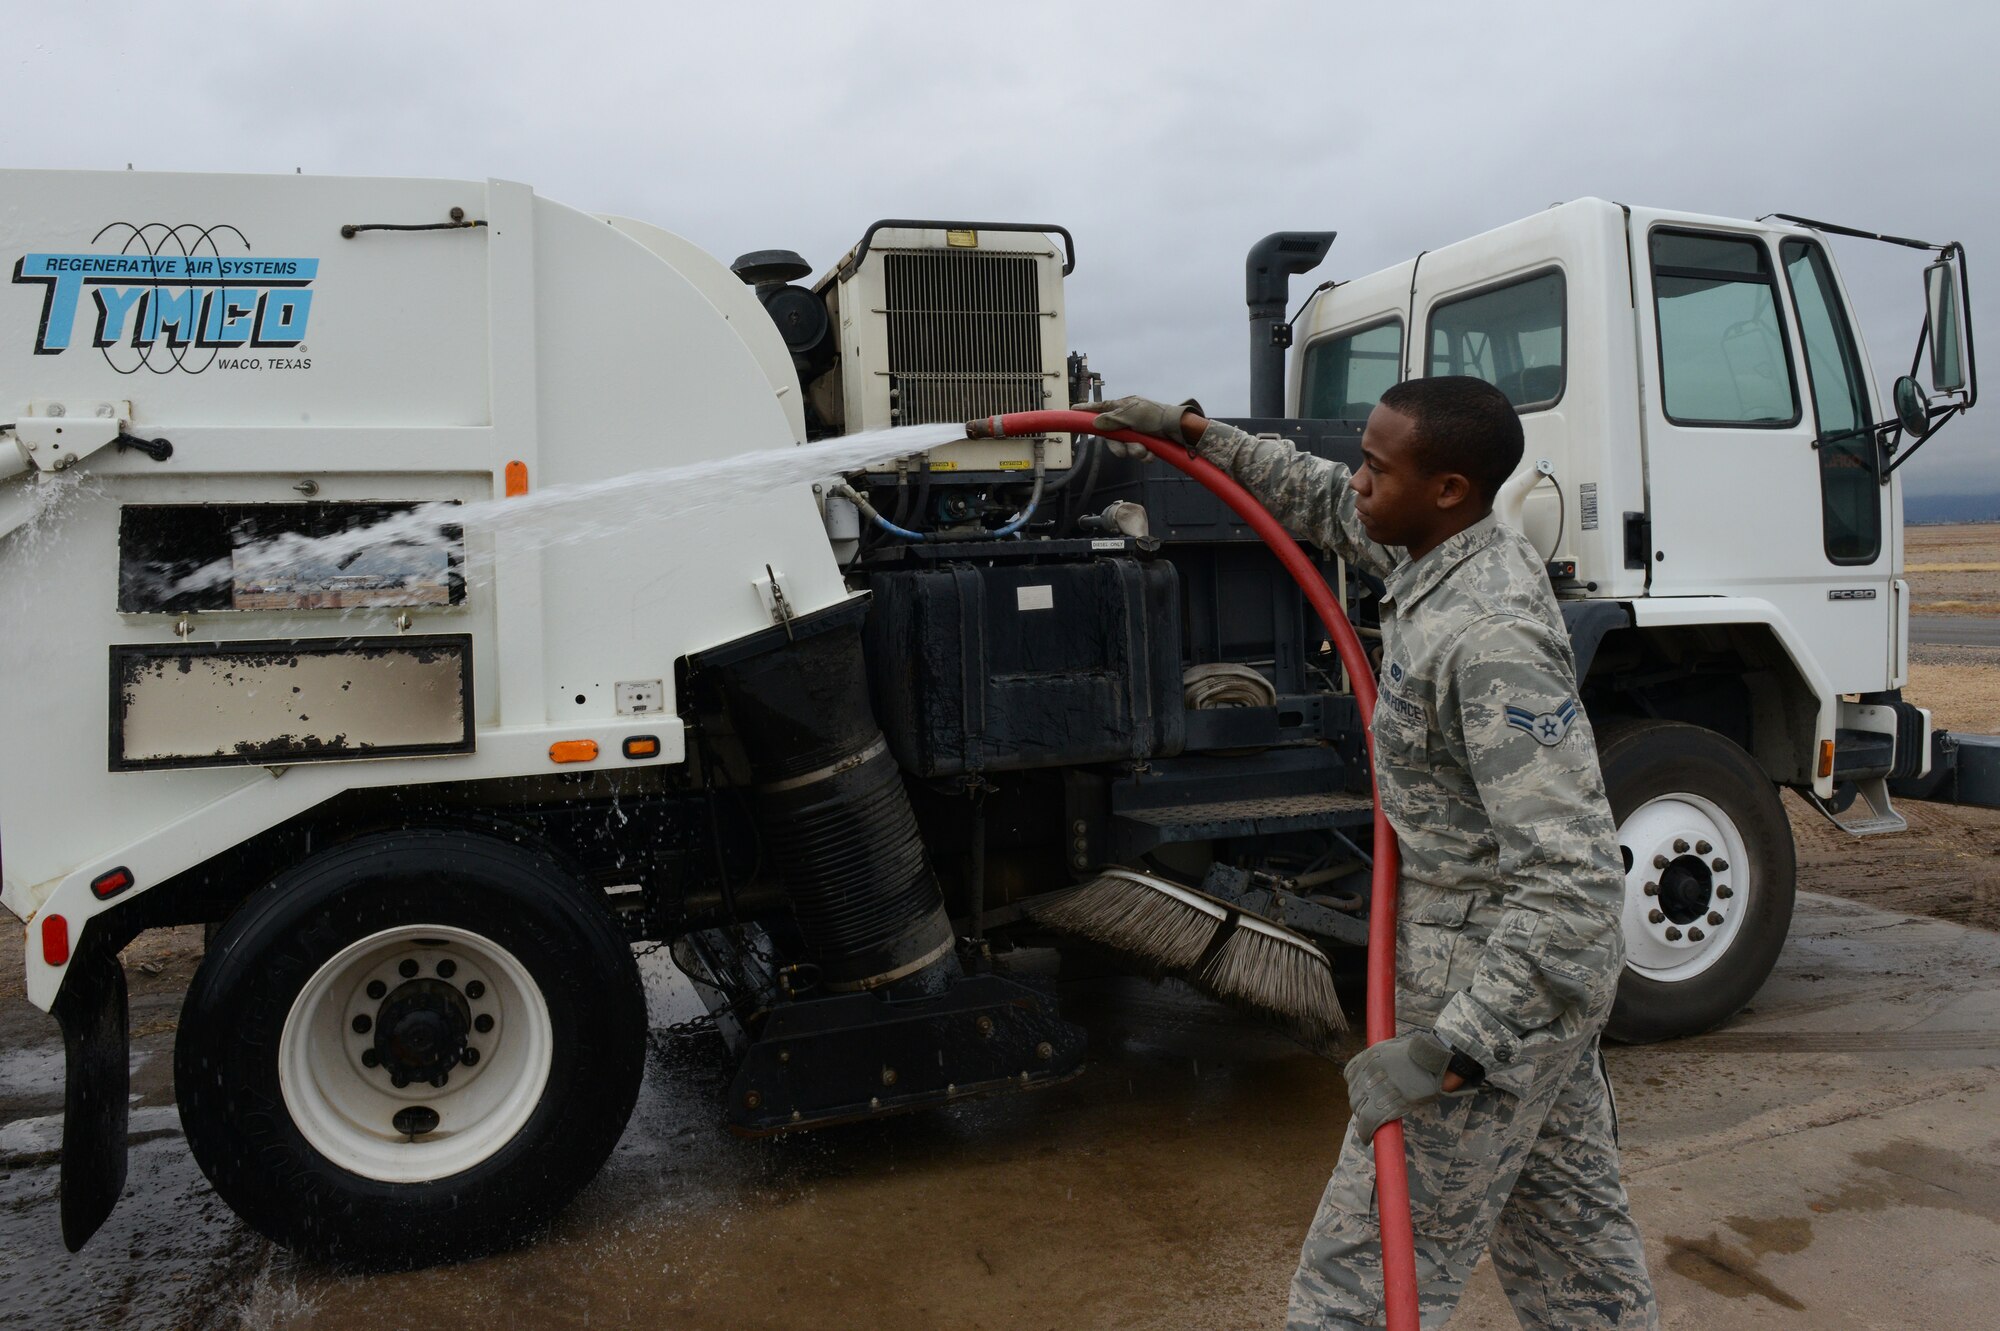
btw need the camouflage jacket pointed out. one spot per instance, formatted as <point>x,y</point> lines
<point>1508,939</point>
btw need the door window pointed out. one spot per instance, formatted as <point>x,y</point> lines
<point>1724,360</point>
<point>1346,376</point>
<point>1511,336</point>
<point>1850,484</point>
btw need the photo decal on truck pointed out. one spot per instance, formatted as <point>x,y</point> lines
<point>173,298</point>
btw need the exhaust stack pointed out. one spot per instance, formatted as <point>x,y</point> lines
<point>1267,281</point>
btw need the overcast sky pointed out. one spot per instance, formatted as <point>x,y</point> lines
<point>1167,136</point>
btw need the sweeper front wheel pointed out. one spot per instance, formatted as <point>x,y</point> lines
<point>414,1046</point>
<point>1709,876</point>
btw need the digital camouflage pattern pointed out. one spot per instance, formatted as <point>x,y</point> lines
<point>1531,1177</point>
<point>1507,937</point>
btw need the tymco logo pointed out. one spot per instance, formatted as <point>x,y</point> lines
<point>173,298</point>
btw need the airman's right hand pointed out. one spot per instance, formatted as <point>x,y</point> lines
<point>1142,416</point>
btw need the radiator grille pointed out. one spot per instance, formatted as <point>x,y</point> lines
<point>965,334</point>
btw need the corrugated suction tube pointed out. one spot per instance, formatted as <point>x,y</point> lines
<point>1392,1184</point>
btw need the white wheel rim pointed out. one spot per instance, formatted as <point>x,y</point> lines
<point>1666,938</point>
<point>339,1091</point>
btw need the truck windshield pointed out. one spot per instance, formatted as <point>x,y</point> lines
<point>1850,486</point>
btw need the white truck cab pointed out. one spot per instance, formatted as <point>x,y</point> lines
<point>1702,437</point>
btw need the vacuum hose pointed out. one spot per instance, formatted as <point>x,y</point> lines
<point>1392,1184</point>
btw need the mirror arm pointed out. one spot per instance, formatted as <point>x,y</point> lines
<point>1938,415</point>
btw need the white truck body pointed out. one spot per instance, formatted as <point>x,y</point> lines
<point>424,366</point>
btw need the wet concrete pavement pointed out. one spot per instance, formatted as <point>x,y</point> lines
<point>1830,1159</point>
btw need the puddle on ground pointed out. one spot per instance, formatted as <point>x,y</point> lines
<point>1169,1182</point>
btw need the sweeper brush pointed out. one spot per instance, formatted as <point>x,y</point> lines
<point>1173,930</point>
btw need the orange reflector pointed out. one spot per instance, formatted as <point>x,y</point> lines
<point>573,751</point>
<point>108,885</point>
<point>517,479</point>
<point>55,939</point>
<point>642,746</point>
<point>1826,757</point>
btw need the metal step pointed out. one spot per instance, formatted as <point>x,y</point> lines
<point>1880,819</point>
<point>1261,816</point>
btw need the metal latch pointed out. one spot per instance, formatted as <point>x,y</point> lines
<point>53,440</point>
<point>771,590</point>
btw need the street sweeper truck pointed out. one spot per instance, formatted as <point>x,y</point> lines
<point>438,592</point>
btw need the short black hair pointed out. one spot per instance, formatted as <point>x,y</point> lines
<point>1464,425</point>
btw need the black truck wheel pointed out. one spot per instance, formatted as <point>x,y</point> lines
<point>1709,876</point>
<point>412,1047</point>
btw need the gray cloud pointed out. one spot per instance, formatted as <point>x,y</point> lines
<point>1168,136</point>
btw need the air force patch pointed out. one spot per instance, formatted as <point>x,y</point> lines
<point>1548,728</point>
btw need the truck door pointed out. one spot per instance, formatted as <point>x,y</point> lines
<point>1761,473</point>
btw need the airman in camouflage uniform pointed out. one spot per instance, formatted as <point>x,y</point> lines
<point>1508,945</point>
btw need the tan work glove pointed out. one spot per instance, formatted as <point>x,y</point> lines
<point>1144,416</point>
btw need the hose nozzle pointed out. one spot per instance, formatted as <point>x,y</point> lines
<point>986,427</point>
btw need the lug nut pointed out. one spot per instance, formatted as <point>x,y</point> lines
<point>1718,864</point>
<point>753,1099</point>
<point>475,990</point>
<point>407,969</point>
<point>1673,934</point>
<point>1680,846</point>
<point>439,1080</point>
<point>469,1056</point>
<point>1715,917</point>
<point>361,1024</point>
<point>1661,861</point>
<point>874,1102</point>
<point>482,1023</point>
<point>398,1080</point>
<point>1695,933</point>
<point>1702,848</point>
<point>888,1076</point>
<point>985,1026</point>
<point>369,1058</point>
<point>447,968</point>
<point>376,989</point>
<point>1652,889</point>
<point>1657,916</point>
<point>1725,891</point>
<point>1045,1051</point>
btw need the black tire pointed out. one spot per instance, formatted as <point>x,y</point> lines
<point>1645,761</point>
<point>243,1130</point>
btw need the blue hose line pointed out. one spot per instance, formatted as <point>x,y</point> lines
<point>1019,522</point>
<point>904,532</point>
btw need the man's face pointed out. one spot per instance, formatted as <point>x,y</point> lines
<point>1395,498</point>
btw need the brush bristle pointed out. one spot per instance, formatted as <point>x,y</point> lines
<point>1282,977</point>
<point>1150,927</point>
<point>1290,980</point>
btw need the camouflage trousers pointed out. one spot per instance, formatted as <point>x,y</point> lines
<point>1533,1175</point>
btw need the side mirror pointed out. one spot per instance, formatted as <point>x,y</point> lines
<point>1913,409</point>
<point>1947,328</point>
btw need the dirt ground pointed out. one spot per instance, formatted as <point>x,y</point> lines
<point>1954,570</point>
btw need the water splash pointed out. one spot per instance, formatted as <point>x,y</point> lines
<point>565,514</point>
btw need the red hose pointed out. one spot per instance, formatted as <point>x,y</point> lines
<point>1392,1182</point>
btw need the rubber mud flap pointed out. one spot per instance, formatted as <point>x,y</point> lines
<point>91,1009</point>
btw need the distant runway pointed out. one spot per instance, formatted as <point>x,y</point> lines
<point>1956,630</point>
